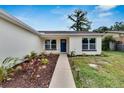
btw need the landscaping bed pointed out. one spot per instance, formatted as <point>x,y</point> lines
<point>105,71</point>
<point>32,73</point>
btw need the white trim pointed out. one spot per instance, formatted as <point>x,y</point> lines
<point>89,44</point>
<point>75,34</point>
<point>50,44</point>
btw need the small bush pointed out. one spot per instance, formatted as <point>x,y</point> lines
<point>72,54</point>
<point>106,41</point>
<point>44,61</point>
<point>3,74</point>
<point>30,56</point>
<point>6,65</point>
<point>9,62</point>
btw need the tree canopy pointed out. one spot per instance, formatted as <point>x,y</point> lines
<point>80,21</point>
<point>117,26</point>
<point>101,29</point>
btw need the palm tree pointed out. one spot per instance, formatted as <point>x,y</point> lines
<point>80,21</point>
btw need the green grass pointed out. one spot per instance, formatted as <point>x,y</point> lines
<point>108,74</point>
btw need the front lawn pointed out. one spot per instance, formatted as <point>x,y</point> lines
<point>106,70</point>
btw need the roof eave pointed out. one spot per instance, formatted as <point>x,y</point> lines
<point>74,34</point>
<point>17,22</point>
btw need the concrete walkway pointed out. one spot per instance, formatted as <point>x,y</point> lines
<point>62,76</point>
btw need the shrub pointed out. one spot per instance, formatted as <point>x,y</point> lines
<point>9,62</point>
<point>106,41</point>
<point>72,53</point>
<point>30,56</point>
<point>3,74</point>
<point>6,65</point>
<point>44,61</point>
<point>41,54</point>
<point>33,54</point>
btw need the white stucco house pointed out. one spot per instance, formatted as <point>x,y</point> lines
<point>67,41</point>
<point>18,39</point>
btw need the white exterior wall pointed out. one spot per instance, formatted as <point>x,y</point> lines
<point>58,50</point>
<point>16,41</point>
<point>75,44</point>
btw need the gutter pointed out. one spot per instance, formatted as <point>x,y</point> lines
<point>93,34</point>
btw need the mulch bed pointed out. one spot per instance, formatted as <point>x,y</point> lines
<point>33,75</point>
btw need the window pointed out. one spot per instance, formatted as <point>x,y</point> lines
<point>47,44</point>
<point>88,44</point>
<point>85,43</point>
<point>53,44</point>
<point>50,44</point>
<point>92,43</point>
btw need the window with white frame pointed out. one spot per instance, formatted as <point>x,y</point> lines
<point>85,44</point>
<point>92,42</point>
<point>50,44</point>
<point>88,44</point>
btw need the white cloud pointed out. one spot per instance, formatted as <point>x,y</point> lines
<point>104,10</point>
<point>62,11</point>
<point>58,10</point>
<point>105,14</point>
<point>105,7</point>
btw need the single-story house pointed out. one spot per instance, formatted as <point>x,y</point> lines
<point>18,39</point>
<point>117,35</point>
<point>119,38</point>
<point>68,41</point>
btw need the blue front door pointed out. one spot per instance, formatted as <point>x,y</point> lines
<point>63,45</point>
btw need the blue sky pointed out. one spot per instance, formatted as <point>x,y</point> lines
<point>54,17</point>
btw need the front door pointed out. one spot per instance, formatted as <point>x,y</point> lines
<point>63,45</point>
